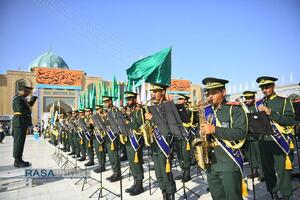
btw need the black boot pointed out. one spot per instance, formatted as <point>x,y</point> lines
<point>186,175</point>
<point>99,169</point>
<point>72,153</point>
<point>90,163</point>
<point>81,159</point>
<point>179,177</point>
<point>115,177</point>
<point>20,163</point>
<point>129,190</point>
<point>138,189</point>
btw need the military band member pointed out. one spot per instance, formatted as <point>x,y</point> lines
<point>112,140</point>
<point>134,143</point>
<point>81,139</point>
<point>183,146</point>
<point>227,122</point>
<point>275,148</point>
<point>252,144</point>
<point>99,142</point>
<point>20,123</point>
<point>167,125</point>
<point>64,133</point>
<point>70,134</point>
<point>76,139</point>
<point>89,137</point>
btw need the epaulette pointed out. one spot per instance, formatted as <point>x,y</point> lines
<point>233,103</point>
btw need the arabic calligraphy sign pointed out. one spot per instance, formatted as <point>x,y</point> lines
<point>58,76</point>
<point>180,85</point>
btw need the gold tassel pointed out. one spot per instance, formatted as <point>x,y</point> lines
<point>288,163</point>
<point>81,141</point>
<point>89,144</point>
<point>112,147</point>
<point>136,158</point>
<point>244,189</point>
<point>188,147</point>
<point>100,148</point>
<point>168,167</point>
<point>292,145</point>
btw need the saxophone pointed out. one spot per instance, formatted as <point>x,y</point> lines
<point>146,128</point>
<point>201,144</point>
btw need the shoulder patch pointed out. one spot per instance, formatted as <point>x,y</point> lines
<point>233,103</point>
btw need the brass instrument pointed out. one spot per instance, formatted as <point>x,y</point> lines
<point>146,129</point>
<point>201,144</point>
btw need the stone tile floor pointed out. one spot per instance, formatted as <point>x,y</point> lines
<point>13,184</point>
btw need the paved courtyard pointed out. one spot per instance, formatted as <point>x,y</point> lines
<point>14,185</point>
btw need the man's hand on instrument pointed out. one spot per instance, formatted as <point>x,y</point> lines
<point>148,116</point>
<point>265,109</point>
<point>207,129</point>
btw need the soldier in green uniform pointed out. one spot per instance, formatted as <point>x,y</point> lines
<point>274,157</point>
<point>89,137</point>
<point>99,142</point>
<point>167,125</point>
<point>252,140</point>
<point>76,139</point>
<point>183,146</point>
<point>226,122</point>
<point>70,135</point>
<point>20,122</point>
<point>133,145</point>
<point>112,145</point>
<point>81,138</point>
<point>64,134</point>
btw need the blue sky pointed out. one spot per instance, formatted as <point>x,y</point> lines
<point>232,39</point>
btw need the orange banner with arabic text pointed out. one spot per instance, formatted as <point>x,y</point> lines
<point>58,76</point>
<point>180,85</point>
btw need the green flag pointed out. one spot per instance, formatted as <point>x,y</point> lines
<point>154,69</point>
<point>114,88</point>
<point>99,100</point>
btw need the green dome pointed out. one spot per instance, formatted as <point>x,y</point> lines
<point>50,60</point>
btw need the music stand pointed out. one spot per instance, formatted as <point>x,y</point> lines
<point>149,179</point>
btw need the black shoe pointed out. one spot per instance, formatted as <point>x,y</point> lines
<point>81,159</point>
<point>138,188</point>
<point>129,190</point>
<point>108,178</point>
<point>19,164</point>
<point>72,153</point>
<point>179,177</point>
<point>186,176</point>
<point>115,178</point>
<point>90,163</point>
<point>99,170</point>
